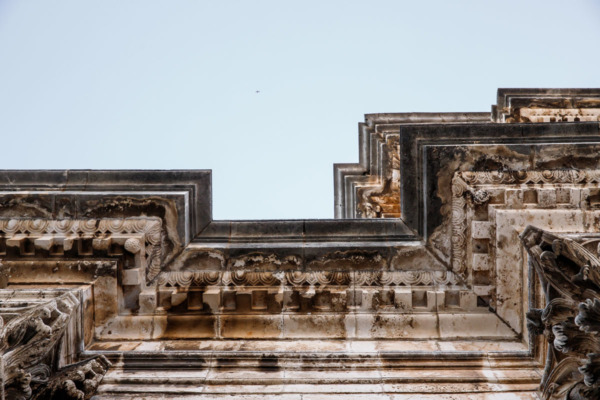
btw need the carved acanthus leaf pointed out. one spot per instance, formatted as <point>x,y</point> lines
<point>29,347</point>
<point>571,319</point>
<point>76,382</point>
<point>588,318</point>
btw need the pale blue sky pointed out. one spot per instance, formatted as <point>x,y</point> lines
<point>172,84</point>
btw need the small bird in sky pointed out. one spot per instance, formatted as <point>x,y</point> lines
<point>258,91</point>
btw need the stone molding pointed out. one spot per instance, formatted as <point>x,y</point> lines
<point>548,189</point>
<point>547,105</point>
<point>371,188</point>
<point>431,284</point>
<point>300,278</point>
<point>432,154</point>
<point>181,198</point>
<point>141,237</point>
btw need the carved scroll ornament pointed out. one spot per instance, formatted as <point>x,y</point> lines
<point>29,347</point>
<point>569,274</point>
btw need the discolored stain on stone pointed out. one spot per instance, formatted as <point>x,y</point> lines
<point>199,259</point>
<point>264,262</point>
<point>350,259</point>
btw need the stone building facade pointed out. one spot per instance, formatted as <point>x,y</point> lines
<point>462,263</point>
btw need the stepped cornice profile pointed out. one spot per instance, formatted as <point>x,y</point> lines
<point>454,234</point>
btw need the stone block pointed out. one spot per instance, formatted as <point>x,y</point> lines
<point>131,276</point>
<point>15,240</point>
<point>313,326</point>
<point>259,300</point>
<point>383,299</point>
<point>575,197</point>
<point>481,262</point>
<point>147,301</point>
<point>212,298</point>
<point>44,242</point>
<point>195,300</point>
<point>87,304</point>
<point>250,326</point>
<point>101,243</point>
<point>229,300</point>
<point>403,299</point>
<point>475,325</point>
<point>190,327</point>
<point>514,198</point>
<point>291,300</point>
<point>396,326</point>
<point>467,300</point>
<point>481,229</point>
<point>546,197</point>
<point>178,298</point>
<point>322,301</point>
<point>338,300</point>
<point>164,297</point>
<point>354,298</point>
<point>483,290</point>
<point>67,243</point>
<point>435,299</point>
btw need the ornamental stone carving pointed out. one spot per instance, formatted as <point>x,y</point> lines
<point>462,265</point>
<point>30,341</point>
<point>568,269</point>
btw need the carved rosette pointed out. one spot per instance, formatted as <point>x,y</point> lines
<point>569,275</point>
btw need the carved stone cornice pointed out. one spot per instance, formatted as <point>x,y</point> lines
<point>141,237</point>
<point>547,105</point>
<point>180,198</point>
<point>371,187</point>
<point>432,303</point>
<point>490,209</point>
<point>472,189</point>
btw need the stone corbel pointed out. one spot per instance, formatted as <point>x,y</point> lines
<point>77,381</point>
<point>29,350</point>
<point>569,275</point>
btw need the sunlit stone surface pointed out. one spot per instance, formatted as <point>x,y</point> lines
<point>119,285</point>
